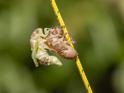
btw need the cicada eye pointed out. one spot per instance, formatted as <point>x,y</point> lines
<point>46,30</point>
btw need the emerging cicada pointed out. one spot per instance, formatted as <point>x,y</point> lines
<point>40,50</point>
<point>50,39</point>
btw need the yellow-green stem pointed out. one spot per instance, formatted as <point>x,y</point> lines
<point>78,63</point>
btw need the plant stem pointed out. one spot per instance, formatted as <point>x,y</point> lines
<point>78,62</point>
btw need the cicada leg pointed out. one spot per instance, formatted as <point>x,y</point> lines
<point>34,51</point>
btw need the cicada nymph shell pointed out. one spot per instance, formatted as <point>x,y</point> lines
<point>56,40</point>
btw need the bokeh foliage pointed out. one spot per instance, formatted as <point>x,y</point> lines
<point>95,25</point>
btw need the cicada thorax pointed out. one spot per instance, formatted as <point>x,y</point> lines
<point>56,40</point>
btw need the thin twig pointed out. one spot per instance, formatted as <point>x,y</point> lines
<point>78,63</point>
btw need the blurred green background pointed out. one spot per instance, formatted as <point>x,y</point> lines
<point>97,26</point>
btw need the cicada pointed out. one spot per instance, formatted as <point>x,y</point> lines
<point>50,39</point>
<point>40,50</point>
